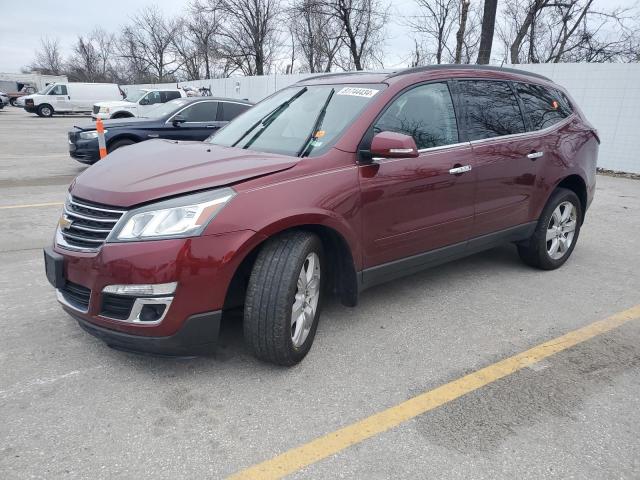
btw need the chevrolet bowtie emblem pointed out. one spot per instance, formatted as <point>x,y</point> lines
<point>64,223</point>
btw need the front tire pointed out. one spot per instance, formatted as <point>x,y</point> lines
<point>284,298</point>
<point>556,233</point>
<point>45,110</point>
<point>13,102</point>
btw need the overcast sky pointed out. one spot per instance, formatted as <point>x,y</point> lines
<point>22,23</point>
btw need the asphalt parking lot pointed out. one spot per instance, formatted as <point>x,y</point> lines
<point>72,408</point>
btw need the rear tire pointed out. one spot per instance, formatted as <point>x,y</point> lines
<point>120,143</point>
<point>45,110</point>
<point>13,102</point>
<point>556,233</point>
<point>284,298</point>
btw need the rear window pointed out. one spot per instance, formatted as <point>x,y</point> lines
<point>543,107</point>
<point>491,109</point>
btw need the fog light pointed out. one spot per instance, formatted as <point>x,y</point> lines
<point>151,313</point>
<point>141,290</point>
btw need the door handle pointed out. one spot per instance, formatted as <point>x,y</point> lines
<point>534,155</point>
<point>210,126</point>
<point>459,170</point>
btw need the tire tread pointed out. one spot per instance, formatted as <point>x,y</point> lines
<point>267,302</point>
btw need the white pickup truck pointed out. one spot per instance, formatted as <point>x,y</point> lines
<point>136,104</point>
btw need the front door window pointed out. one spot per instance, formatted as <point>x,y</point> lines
<point>426,113</point>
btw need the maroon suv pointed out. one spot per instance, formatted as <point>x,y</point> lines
<point>330,186</point>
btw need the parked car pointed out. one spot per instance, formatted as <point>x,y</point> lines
<point>330,186</point>
<point>137,103</point>
<point>70,98</point>
<point>22,91</point>
<point>182,119</point>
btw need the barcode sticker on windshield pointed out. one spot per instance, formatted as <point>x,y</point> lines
<point>358,92</point>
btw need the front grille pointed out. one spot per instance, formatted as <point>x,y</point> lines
<point>76,295</point>
<point>89,223</point>
<point>116,306</point>
<point>96,109</point>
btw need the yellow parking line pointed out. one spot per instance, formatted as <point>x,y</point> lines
<point>32,205</point>
<point>332,443</point>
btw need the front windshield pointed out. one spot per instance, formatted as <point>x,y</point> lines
<point>46,89</point>
<point>134,95</point>
<point>298,121</point>
<point>163,109</point>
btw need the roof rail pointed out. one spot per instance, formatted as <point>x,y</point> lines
<point>337,74</point>
<point>456,66</point>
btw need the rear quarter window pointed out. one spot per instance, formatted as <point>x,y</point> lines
<point>543,107</point>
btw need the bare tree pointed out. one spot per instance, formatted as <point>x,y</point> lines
<point>436,20</point>
<point>317,33</point>
<point>188,53</point>
<point>488,26</point>
<point>92,57</point>
<point>48,57</point>
<point>462,26</point>
<point>363,23</point>
<point>250,36</point>
<point>533,10</point>
<point>148,44</point>
<point>568,30</point>
<point>203,26</point>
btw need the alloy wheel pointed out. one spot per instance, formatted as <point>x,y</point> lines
<point>561,230</point>
<point>305,302</point>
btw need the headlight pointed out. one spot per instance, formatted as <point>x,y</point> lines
<point>104,109</point>
<point>89,135</point>
<point>180,217</point>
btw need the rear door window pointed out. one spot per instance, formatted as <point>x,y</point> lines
<point>201,112</point>
<point>231,110</point>
<point>543,107</point>
<point>491,109</point>
<point>426,113</point>
<point>171,95</point>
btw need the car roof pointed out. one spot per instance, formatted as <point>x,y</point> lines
<point>386,76</point>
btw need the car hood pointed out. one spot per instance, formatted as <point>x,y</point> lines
<point>120,123</point>
<point>116,104</point>
<point>156,169</point>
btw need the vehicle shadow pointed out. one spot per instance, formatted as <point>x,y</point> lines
<point>231,352</point>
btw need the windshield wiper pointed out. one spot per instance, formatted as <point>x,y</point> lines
<point>267,119</point>
<point>307,145</point>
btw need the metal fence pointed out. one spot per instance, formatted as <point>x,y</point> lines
<point>609,95</point>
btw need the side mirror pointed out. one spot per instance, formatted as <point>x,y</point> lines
<point>144,101</point>
<point>178,119</point>
<point>393,145</point>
